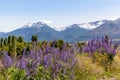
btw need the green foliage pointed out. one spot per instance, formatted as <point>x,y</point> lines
<point>15,74</point>
<point>44,73</point>
<point>20,39</point>
<point>19,48</point>
<point>12,45</point>
<point>59,44</point>
<point>103,59</point>
<point>96,67</point>
<point>80,44</point>
<point>85,69</point>
<point>5,41</point>
<point>9,39</point>
<point>4,48</point>
<point>65,74</point>
<point>1,42</point>
<point>10,50</point>
<point>14,40</point>
<point>34,38</point>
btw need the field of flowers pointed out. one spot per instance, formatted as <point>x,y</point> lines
<point>97,59</point>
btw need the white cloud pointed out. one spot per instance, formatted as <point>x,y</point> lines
<point>47,21</point>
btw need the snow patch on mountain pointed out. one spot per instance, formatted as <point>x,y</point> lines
<point>91,25</point>
<point>88,26</point>
<point>59,28</point>
<point>38,24</point>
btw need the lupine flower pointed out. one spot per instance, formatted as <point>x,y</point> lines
<point>103,45</point>
<point>54,42</point>
<point>49,57</point>
<point>7,61</point>
<point>21,64</point>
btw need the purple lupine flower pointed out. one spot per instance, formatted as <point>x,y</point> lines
<point>7,61</point>
<point>65,56</point>
<point>93,49</point>
<point>83,49</point>
<point>21,64</point>
<point>54,42</point>
<point>113,51</point>
<point>99,50</point>
<point>47,49</point>
<point>24,52</point>
<point>32,54</point>
<point>57,67</point>
<point>89,44</point>
<point>73,63</point>
<point>64,46</point>
<point>36,63</point>
<point>28,73</point>
<point>103,45</point>
<point>115,46</point>
<point>47,61</point>
<point>98,45</point>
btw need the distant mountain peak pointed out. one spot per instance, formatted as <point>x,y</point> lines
<point>92,25</point>
<point>74,26</point>
<point>72,33</point>
<point>87,26</point>
<point>117,20</point>
<point>38,24</point>
<point>29,24</point>
<point>59,28</point>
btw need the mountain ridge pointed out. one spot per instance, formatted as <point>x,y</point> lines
<point>72,33</point>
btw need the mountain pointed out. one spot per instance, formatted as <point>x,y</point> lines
<point>1,34</point>
<point>88,26</point>
<point>111,28</point>
<point>42,30</point>
<point>60,28</point>
<point>72,33</point>
<point>92,25</point>
<point>45,32</point>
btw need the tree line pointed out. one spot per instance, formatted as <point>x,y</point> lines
<point>15,45</point>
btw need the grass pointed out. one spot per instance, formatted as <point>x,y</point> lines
<point>87,69</point>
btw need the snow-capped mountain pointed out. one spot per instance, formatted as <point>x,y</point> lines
<point>73,33</point>
<point>88,26</point>
<point>41,29</point>
<point>59,28</point>
<point>92,25</point>
<point>38,24</point>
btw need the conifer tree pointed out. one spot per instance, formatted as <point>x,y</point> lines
<point>9,39</point>
<point>10,45</point>
<point>1,42</point>
<point>20,39</point>
<point>5,41</point>
<point>14,44</point>
<point>34,38</point>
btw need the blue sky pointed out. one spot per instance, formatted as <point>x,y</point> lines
<point>16,13</point>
